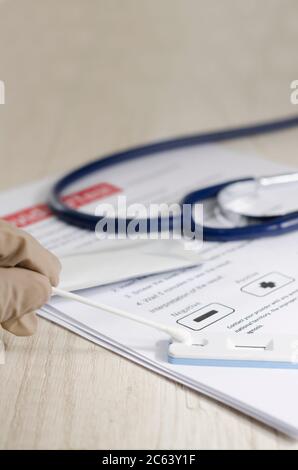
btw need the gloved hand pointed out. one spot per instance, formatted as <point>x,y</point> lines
<point>27,272</point>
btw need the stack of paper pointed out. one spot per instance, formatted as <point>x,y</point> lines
<point>249,286</point>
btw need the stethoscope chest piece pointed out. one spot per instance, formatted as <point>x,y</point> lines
<point>260,198</point>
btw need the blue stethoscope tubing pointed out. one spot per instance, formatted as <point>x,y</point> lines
<point>267,227</point>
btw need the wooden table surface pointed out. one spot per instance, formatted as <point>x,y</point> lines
<point>87,77</point>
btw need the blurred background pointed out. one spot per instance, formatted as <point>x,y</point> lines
<point>86,77</point>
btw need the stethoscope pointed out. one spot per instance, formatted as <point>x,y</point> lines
<point>259,207</point>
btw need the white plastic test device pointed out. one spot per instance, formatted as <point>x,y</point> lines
<point>279,352</point>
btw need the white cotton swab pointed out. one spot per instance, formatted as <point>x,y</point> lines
<point>176,334</point>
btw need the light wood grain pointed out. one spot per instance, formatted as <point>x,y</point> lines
<point>86,77</point>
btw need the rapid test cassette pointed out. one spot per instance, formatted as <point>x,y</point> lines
<point>278,352</point>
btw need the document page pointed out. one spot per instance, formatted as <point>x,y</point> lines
<point>241,287</point>
<point>164,177</point>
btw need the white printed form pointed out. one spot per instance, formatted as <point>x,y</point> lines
<point>239,287</point>
<point>242,287</point>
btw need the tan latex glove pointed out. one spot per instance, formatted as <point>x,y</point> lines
<point>27,272</point>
